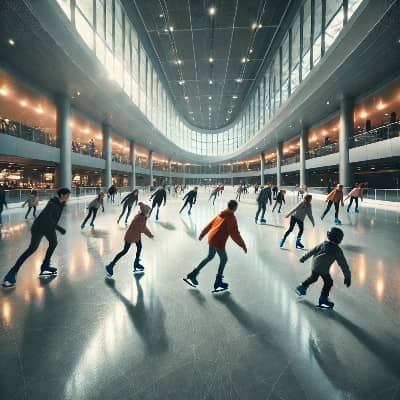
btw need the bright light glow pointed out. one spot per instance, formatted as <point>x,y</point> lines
<point>23,103</point>
<point>381,106</point>
<point>86,130</point>
<point>328,102</point>
<point>39,110</point>
<point>4,91</point>
<point>230,111</point>
<point>363,114</point>
<point>324,133</point>
<point>209,97</point>
<point>212,10</point>
<point>314,138</point>
<point>239,80</point>
<point>171,28</point>
<point>251,51</point>
<point>78,93</point>
<point>11,42</point>
<point>181,82</point>
<point>161,15</point>
<point>254,25</point>
<point>210,82</point>
<point>190,112</point>
<point>244,59</point>
<point>179,62</point>
<point>186,98</point>
<point>234,97</point>
<point>211,60</point>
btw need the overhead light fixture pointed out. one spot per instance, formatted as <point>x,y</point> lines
<point>328,102</point>
<point>171,28</point>
<point>234,97</point>
<point>4,91</point>
<point>212,10</point>
<point>259,26</point>
<point>209,97</point>
<point>244,60</point>
<point>209,108</point>
<point>186,98</point>
<point>254,25</point>
<point>181,82</point>
<point>239,80</point>
<point>179,62</point>
<point>161,15</point>
<point>23,103</point>
<point>190,112</point>
<point>78,93</point>
<point>230,111</point>
<point>39,110</point>
<point>166,30</point>
<point>226,119</point>
<point>11,42</point>
<point>210,82</point>
<point>211,60</point>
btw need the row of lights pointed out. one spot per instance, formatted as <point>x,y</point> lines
<point>23,103</point>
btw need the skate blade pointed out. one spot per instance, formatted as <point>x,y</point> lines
<point>138,271</point>
<point>109,276</point>
<point>298,293</point>
<point>189,283</point>
<point>8,286</point>
<point>323,307</point>
<point>219,290</point>
<point>47,274</point>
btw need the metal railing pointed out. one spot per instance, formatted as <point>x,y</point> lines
<point>375,135</point>
<point>322,151</point>
<point>291,160</point>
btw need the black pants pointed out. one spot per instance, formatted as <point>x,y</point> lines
<point>112,197</point>
<point>35,241</point>
<point>126,248</point>
<point>185,204</point>
<point>293,222</point>
<point>263,207</point>
<point>125,206</point>
<point>269,198</point>
<point>274,194</point>
<point>92,213</point>
<point>355,199</point>
<point>280,205</point>
<point>155,203</point>
<point>29,210</point>
<point>328,207</point>
<point>223,258</point>
<point>213,195</point>
<point>328,282</point>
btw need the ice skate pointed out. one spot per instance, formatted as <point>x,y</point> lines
<point>255,220</point>
<point>92,225</point>
<point>82,227</point>
<point>9,280</point>
<point>356,210</point>
<point>301,290</point>
<point>189,212</point>
<point>109,270</point>
<point>324,302</point>
<point>281,243</point>
<point>338,221</point>
<point>47,270</point>
<point>263,220</point>
<point>191,280</point>
<point>299,245</point>
<point>219,285</point>
<point>137,267</point>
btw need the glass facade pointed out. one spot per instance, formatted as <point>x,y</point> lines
<point>107,31</point>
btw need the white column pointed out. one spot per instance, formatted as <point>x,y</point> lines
<point>303,151</point>
<point>64,136</point>
<point>279,165</point>
<point>151,167</point>
<point>262,168</point>
<point>133,164</point>
<point>107,146</point>
<point>345,132</point>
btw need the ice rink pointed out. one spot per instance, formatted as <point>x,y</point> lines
<point>81,336</point>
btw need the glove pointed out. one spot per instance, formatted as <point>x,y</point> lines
<point>61,230</point>
<point>302,260</point>
<point>347,282</point>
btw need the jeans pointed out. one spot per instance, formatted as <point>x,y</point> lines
<point>328,207</point>
<point>355,199</point>
<point>29,210</point>
<point>280,205</point>
<point>92,213</point>
<point>35,241</point>
<point>328,282</point>
<point>223,258</point>
<point>263,207</point>
<point>126,248</point>
<point>293,222</point>
<point>125,206</point>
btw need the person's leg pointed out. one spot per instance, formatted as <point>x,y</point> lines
<point>121,253</point>
<point>158,210</point>
<point>328,283</point>
<point>310,280</point>
<point>258,211</point>
<point>280,206</point>
<point>128,214</point>
<point>223,258</point>
<point>184,205</point>
<point>264,209</point>
<point>153,204</point>
<point>328,207</point>
<point>122,212</point>
<point>34,244</point>
<point>270,200</point>
<point>138,250</point>
<point>190,206</point>
<point>291,227</point>
<point>300,224</point>
<point>1,212</point>
<point>211,254</point>
<point>94,213</point>
<point>34,211</point>
<point>273,208</point>
<point>27,212</point>
<point>87,218</point>
<point>215,196</point>
<point>350,204</point>
<point>336,210</point>
<point>52,238</point>
<point>356,200</point>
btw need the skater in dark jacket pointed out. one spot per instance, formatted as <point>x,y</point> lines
<point>262,199</point>
<point>133,235</point>
<point>297,216</point>
<point>279,199</point>
<point>324,255</point>
<point>158,197</point>
<point>3,203</point>
<point>93,207</point>
<point>46,224</point>
<point>191,198</point>
<point>269,193</point>
<point>219,230</point>
<point>214,194</point>
<point>32,201</point>
<point>128,201</point>
<point>112,191</point>
<point>274,191</point>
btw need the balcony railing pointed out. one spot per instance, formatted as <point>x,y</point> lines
<point>375,135</point>
<point>322,151</point>
<point>291,160</point>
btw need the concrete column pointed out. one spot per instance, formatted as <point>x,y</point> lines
<point>133,164</point>
<point>169,172</point>
<point>184,175</point>
<point>303,151</point>
<point>279,165</point>
<point>346,129</point>
<point>107,149</point>
<point>64,136</point>
<point>262,168</point>
<point>151,167</point>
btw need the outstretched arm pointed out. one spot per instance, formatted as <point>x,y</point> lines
<point>344,266</point>
<point>309,254</point>
<point>206,229</point>
<point>234,233</point>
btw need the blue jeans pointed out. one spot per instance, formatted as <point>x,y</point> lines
<point>223,258</point>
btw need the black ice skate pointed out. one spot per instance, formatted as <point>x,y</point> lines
<point>47,270</point>
<point>191,280</point>
<point>219,285</point>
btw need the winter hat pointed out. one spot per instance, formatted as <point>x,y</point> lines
<point>144,208</point>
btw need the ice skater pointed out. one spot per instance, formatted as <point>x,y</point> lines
<point>262,199</point>
<point>93,207</point>
<point>214,194</point>
<point>355,194</point>
<point>219,230</point>
<point>128,201</point>
<point>335,197</point>
<point>239,192</point>
<point>46,224</point>
<point>32,201</point>
<point>274,191</point>
<point>324,255</point>
<point>297,216</point>
<point>269,193</point>
<point>112,191</point>
<point>191,198</point>
<point>158,197</point>
<point>133,235</point>
<point>3,203</point>
<point>279,199</point>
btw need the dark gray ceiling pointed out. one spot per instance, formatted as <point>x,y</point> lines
<point>239,29</point>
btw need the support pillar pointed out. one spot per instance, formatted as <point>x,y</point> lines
<point>279,165</point>
<point>262,168</point>
<point>346,130</point>
<point>151,168</point>
<point>232,174</point>
<point>64,136</point>
<point>303,152</point>
<point>133,164</point>
<point>169,172</point>
<point>184,175</point>
<point>107,147</point>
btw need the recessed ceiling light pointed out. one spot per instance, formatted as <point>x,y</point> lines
<point>161,15</point>
<point>226,119</point>
<point>259,26</point>
<point>244,60</point>
<point>328,102</point>
<point>190,112</point>
<point>23,103</point>
<point>210,82</point>
<point>212,10</point>
<point>254,25</point>
<point>239,80</point>
<point>171,28</point>
<point>165,30</point>
<point>211,60</point>
<point>179,62</point>
<point>186,98</point>
<point>251,51</point>
<point>209,97</point>
<point>181,82</point>
<point>11,42</point>
<point>234,97</point>
<point>78,93</point>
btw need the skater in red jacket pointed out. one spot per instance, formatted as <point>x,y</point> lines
<point>219,230</point>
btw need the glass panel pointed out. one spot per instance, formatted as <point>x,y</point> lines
<point>285,69</point>
<point>109,23</point>
<point>86,7</point>
<point>317,31</point>
<point>305,59</point>
<point>295,73</point>
<point>352,7</point>
<point>334,21</point>
<point>84,28</point>
<point>66,7</point>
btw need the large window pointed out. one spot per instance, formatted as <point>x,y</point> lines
<point>285,69</point>
<point>317,36</point>
<point>306,53</point>
<point>295,55</point>
<point>333,21</point>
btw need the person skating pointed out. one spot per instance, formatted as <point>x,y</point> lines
<point>93,207</point>
<point>279,199</point>
<point>262,199</point>
<point>133,235</point>
<point>32,201</point>
<point>300,192</point>
<point>112,191</point>
<point>355,194</point>
<point>239,192</point>
<point>335,197</point>
<point>219,230</point>
<point>324,255</point>
<point>158,197</point>
<point>45,225</point>
<point>297,216</point>
<point>269,193</point>
<point>274,191</point>
<point>214,194</point>
<point>3,203</point>
<point>191,198</point>
<point>128,201</point>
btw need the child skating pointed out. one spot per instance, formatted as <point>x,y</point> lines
<point>219,230</point>
<point>297,216</point>
<point>128,201</point>
<point>335,197</point>
<point>280,198</point>
<point>158,197</point>
<point>93,207</point>
<point>191,198</point>
<point>262,199</point>
<point>45,225</point>
<point>133,235</point>
<point>32,201</point>
<point>324,255</point>
<point>355,194</point>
